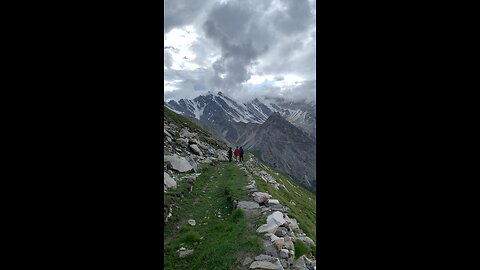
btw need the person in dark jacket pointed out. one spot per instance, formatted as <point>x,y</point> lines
<point>241,153</point>
<point>229,154</point>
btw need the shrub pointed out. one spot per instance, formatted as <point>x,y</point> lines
<point>300,248</point>
<point>192,236</point>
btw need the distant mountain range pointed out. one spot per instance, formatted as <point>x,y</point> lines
<point>219,107</point>
<point>281,133</point>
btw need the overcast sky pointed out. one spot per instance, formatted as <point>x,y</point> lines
<point>244,48</point>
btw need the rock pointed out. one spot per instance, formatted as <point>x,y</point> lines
<point>278,244</point>
<point>167,133</point>
<point>269,248</point>
<point>284,253</point>
<point>273,201</point>
<point>276,218</point>
<point>281,231</point>
<point>288,243</point>
<point>267,228</point>
<point>192,163</point>
<point>248,205</point>
<point>267,265</point>
<point>191,222</point>
<point>168,181</point>
<point>178,163</point>
<point>185,253</point>
<point>247,261</point>
<point>185,133</point>
<point>311,264</point>
<point>196,150</point>
<point>307,240</point>
<point>263,257</point>
<point>182,142</point>
<point>300,263</point>
<point>261,197</point>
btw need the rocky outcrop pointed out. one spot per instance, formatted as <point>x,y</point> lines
<point>168,181</point>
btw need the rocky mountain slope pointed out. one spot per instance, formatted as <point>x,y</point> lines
<point>287,145</point>
<point>217,110</point>
<point>248,212</point>
<point>283,146</point>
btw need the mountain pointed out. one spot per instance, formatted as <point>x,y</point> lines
<point>283,146</point>
<point>279,132</point>
<point>215,109</point>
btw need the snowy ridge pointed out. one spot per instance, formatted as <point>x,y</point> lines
<point>219,107</point>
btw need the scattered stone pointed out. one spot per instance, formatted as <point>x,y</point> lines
<point>186,253</point>
<point>261,197</point>
<point>281,231</point>
<point>263,257</point>
<point>178,163</point>
<point>248,205</point>
<point>273,201</point>
<point>284,253</point>
<point>266,265</point>
<point>168,181</point>
<point>191,222</point>
<point>279,243</point>
<point>267,228</point>
<point>277,218</point>
<point>300,263</point>
<point>247,261</point>
<point>196,150</point>
<point>307,240</point>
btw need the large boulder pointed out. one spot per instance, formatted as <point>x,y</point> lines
<point>300,263</point>
<point>267,228</point>
<point>276,265</point>
<point>307,240</point>
<point>196,150</point>
<point>276,218</point>
<point>168,181</point>
<point>178,163</point>
<point>261,197</point>
<point>248,205</point>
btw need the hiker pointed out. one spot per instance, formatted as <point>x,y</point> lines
<point>229,154</point>
<point>237,153</point>
<point>241,153</point>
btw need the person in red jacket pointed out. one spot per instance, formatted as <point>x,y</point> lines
<point>237,153</point>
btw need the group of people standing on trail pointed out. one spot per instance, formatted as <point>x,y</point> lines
<point>238,154</point>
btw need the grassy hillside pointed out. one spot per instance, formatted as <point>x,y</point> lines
<point>303,208</point>
<point>222,236</point>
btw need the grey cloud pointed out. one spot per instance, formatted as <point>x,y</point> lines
<point>247,37</point>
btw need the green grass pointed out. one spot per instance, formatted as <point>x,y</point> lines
<point>304,210</point>
<point>222,241</point>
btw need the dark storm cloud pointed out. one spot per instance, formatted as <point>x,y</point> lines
<point>247,37</point>
<point>179,13</point>
<point>235,27</point>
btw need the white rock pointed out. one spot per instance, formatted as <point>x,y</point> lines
<point>185,253</point>
<point>261,197</point>
<point>267,228</point>
<point>284,253</point>
<point>273,201</point>
<point>266,265</point>
<point>178,163</point>
<point>196,150</point>
<point>168,181</point>
<point>191,222</point>
<point>307,240</point>
<point>248,205</point>
<point>276,218</point>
